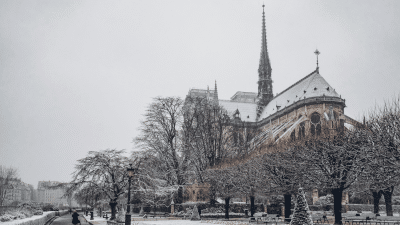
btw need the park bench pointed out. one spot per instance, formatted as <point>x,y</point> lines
<point>383,220</point>
<point>258,217</point>
<point>363,218</point>
<point>105,214</point>
<point>158,215</point>
<point>319,219</point>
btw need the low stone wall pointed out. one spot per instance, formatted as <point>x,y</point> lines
<point>37,221</point>
<point>110,222</point>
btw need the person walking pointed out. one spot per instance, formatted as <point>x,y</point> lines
<point>70,210</point>
<point>75,219</point>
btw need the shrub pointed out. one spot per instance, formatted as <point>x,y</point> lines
<point>6,217</point>
<point>38,212</point>
<point>325,200</point>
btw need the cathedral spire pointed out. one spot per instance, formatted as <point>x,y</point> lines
<point>215,97</point>
<point>264,72</point>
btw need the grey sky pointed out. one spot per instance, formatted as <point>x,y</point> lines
<point>76,76</point>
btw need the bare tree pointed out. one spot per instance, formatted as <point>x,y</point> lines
<point>333,163</point>
<point>225,184</point>
<point>207,134</point>
<point>7,176</point>
<point>384,167</point>
<point>105,171</point>
<point>160,137</point>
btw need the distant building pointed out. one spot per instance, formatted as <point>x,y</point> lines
<point>53,196</point>
<point>18,191</point>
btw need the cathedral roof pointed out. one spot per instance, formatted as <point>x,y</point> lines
<point>313,85</point>
<point>247,110</point>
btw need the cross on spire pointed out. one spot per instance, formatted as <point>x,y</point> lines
<point>317,53</point>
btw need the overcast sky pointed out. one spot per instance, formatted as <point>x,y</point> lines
<point>77,76</point>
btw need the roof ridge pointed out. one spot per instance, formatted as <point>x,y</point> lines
<point>236,101</point>
<point>295,84</point>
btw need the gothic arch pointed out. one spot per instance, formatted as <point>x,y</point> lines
<point>315,125</point>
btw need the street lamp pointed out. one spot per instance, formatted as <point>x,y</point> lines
<point>131,173</point>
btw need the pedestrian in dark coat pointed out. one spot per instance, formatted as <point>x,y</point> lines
<point>75,219</point>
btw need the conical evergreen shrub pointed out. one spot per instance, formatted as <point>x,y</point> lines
<point>195,214</point>
<point>301,215</point>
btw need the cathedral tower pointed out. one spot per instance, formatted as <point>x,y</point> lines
<point>265,94</point>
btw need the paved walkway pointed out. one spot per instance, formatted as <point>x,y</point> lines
<point>67,220</point>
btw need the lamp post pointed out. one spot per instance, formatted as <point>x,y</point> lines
<point>131,173</point>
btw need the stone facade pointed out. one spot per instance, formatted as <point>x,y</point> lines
<point>196,193</point>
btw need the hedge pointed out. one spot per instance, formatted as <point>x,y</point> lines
<point>234,208</point>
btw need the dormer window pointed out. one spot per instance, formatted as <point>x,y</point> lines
<point>305,91</point>
<point>327,88</point>
<point>315,89</point>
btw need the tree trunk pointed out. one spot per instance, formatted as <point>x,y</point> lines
<point>227,207</point>
<point>179,198</point>
<point>212,196</point>
<point>288,205</point>
<point>337,204</point>
<point>377,196</point>
<point>252,208</point>
<point>113,206</point>
<point>387,194</point>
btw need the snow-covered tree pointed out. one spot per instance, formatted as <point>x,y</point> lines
<point>160,138</point>
<point>105,171</point>
<point>384,167</point>
<point>301,215</point>
<point>207,134</point>
<point>333,163</point>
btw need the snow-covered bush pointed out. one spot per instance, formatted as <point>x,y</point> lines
<point>325,200</point>
<point>121,216</point>
<point>38,212</point>
<point>6,217</point>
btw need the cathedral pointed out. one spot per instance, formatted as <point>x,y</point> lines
<point>306,107</point>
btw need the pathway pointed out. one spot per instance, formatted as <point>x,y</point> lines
<point>67,220</point>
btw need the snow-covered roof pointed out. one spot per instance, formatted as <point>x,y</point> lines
<point>247,110</point>
<point>313,85</point>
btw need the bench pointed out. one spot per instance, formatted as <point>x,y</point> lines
<point>367,218</point>
<point>258,217</point>
<point>159,215</point>
<point>319,219</point>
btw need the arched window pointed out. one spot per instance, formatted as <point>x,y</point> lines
<point>312,129</point>
<point>301,130</point>
<point>315,126</point>
<point>293,136</point>
<point>318,129</point>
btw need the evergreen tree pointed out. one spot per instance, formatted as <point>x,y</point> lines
<point>301,213</point>
<point>195,214</point>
